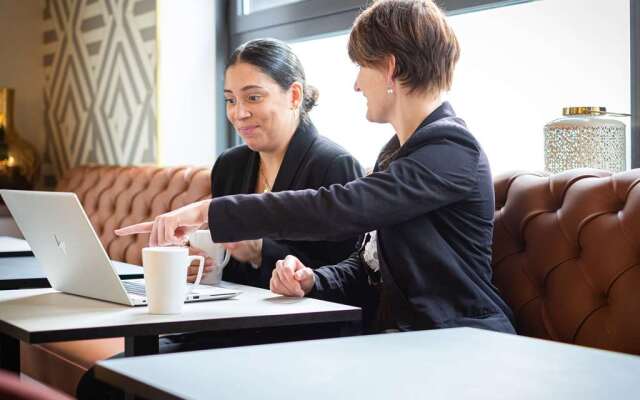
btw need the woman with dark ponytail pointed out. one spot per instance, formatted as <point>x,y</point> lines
<point>268,102</point>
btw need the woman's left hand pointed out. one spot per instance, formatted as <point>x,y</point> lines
<point>173,227</point>
<point>246,251</point>
<point>291,278</point>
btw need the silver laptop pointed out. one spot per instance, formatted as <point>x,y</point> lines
<point>68,249</point>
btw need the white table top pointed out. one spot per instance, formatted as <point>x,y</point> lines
<point>40,315</point>
<point>10,244</point>
<point>461,363</point>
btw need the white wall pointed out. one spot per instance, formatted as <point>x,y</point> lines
<point>21,65</point>
<point>186,82</point>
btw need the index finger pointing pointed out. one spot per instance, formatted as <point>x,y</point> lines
<point>144,227</point>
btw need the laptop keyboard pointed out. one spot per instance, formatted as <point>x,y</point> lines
<point>134,288</point>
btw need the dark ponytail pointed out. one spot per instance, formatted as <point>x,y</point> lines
<point>276,59</point>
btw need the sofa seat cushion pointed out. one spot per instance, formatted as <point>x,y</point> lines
<point>62,364</point>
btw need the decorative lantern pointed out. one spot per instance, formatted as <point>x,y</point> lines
<point>585,137</point>
<point>19,163</point>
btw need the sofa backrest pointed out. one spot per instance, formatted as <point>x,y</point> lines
<point>566,256</point>
<point>118,196</point>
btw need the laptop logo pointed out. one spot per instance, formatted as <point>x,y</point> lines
<point>60,244</point>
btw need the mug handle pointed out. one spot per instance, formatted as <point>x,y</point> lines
<point>227,256</point>
<point>200,269</point>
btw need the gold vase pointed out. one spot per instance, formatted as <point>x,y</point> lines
<point>19,163</point>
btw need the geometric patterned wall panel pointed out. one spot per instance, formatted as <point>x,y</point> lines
<point>100,88</point>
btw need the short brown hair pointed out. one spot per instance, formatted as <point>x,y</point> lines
<point>416,33</point>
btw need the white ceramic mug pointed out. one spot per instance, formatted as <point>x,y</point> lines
<point>202,240</point>
<point>165,277</point>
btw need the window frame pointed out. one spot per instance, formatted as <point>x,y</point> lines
<point>634,42</point>
<point>225,137</point>
<point>312,18</point>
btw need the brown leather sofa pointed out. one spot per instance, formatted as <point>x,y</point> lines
<point>566,253</point>
<point>112,197</point>
<point>566,256</point>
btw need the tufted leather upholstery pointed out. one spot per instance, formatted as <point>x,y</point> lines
<point>112,197</point>
<point>117,196</point>
<point>566,256</point>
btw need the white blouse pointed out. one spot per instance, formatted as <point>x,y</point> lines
<point>370,254</point>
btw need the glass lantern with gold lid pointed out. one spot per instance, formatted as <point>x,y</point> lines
<point>585,137</point>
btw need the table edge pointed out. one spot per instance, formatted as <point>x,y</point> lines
<point>157,328</point>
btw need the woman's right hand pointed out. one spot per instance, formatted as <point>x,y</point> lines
<point>192,272</point>
<point>171,228</point>
<point>291,278</point>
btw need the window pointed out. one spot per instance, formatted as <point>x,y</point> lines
<point>522,61</point>
<point>340,113</point>
<point>252,6</point>
<point>520,65</point>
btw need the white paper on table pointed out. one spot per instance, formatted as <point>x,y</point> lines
<point>10,244</point>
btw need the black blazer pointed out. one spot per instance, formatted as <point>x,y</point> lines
<point>310,162</point>
<point>433,210</point>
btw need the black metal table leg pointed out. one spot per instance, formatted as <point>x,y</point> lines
<point>141,345</point>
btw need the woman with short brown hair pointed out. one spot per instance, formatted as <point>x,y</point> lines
<point>406,30</point>
<point>427,207</point>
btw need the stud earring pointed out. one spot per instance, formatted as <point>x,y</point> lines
<point>389,90</point>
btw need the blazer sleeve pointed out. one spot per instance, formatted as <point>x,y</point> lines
<point>427,179</point>
<point>346,282</point>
